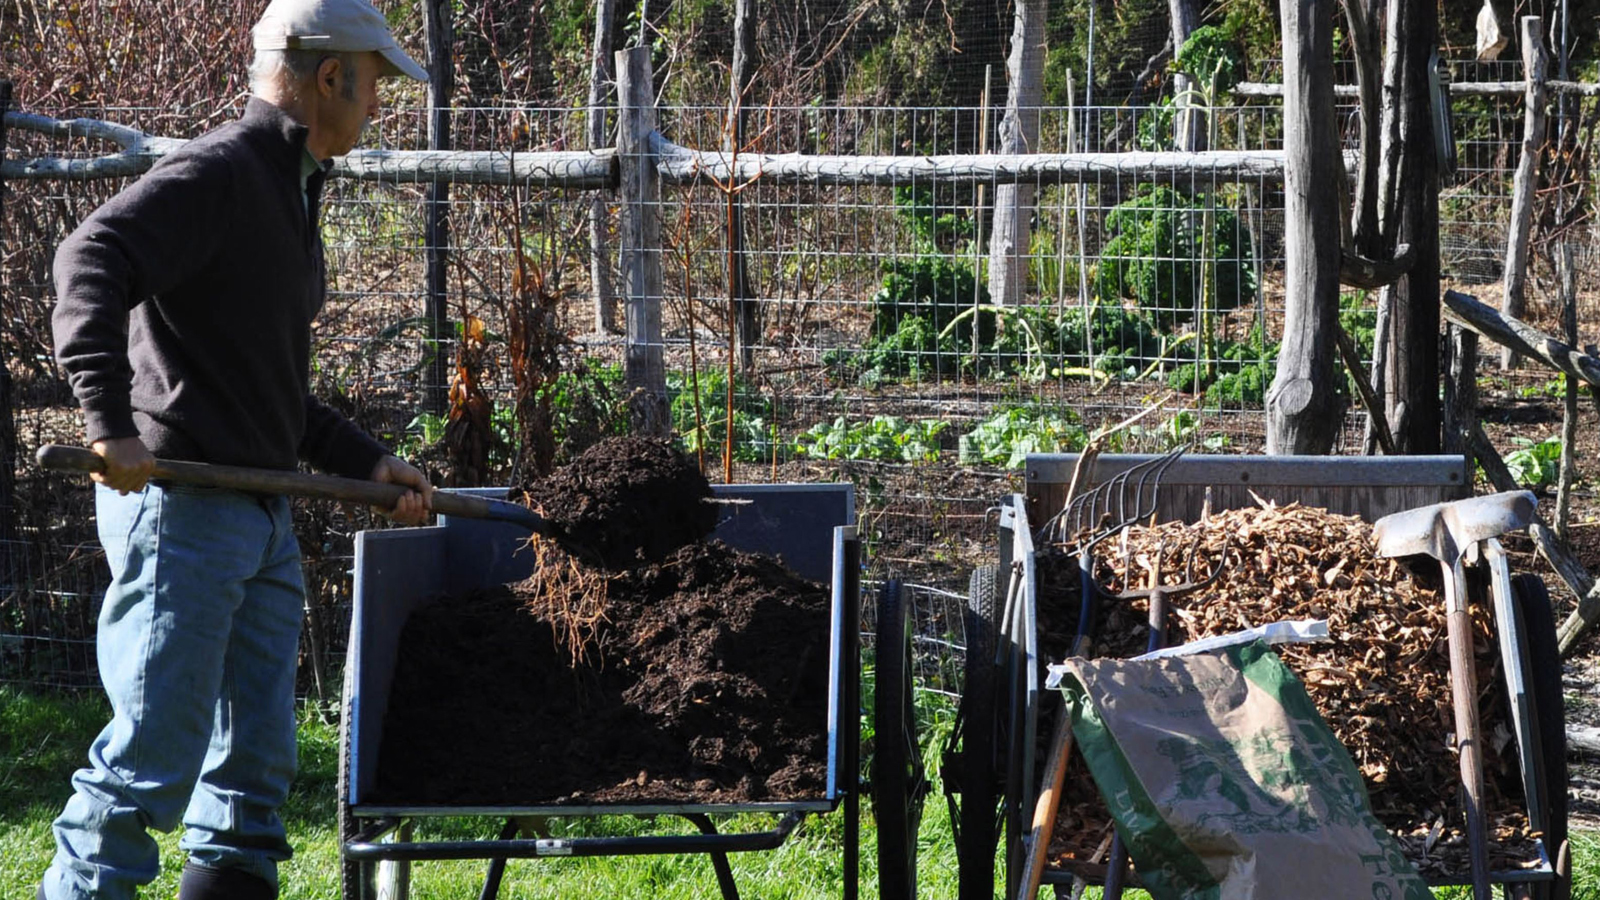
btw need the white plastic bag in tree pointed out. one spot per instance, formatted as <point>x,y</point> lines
<point>1491,40</point>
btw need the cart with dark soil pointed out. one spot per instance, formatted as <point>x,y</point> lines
<point>712,680</point>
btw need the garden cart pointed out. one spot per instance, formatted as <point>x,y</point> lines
<point>399,570</point>
<point>993,764</point>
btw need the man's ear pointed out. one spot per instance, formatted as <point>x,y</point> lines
<point>328,76</point>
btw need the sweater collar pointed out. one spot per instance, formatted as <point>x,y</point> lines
<point>280,129</point>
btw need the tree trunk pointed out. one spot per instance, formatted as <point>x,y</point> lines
<point>644,367</point>
<point>1189,127</point>
<point>1362,18</point>
<point>1567,271</point>
<point>1302,412</point>
<point>441,71</point>
<point>1535,64</point>
<point>605,297</point>
<point>1019,133</point>
<point>1415,410</point>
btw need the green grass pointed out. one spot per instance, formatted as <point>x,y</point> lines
<point>43,738</point>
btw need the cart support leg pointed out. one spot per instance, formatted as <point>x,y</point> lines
<point>497,866</point>
<point>719,859</point>
<point>394,876</point>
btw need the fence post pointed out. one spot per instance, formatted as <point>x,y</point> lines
<point>8,425</point>
<point>1535,65</point>
<point>1461,394</point>
<point>605,298</point>
<point>436,29</point>
<point>739,81</point>
<point>644,369</point>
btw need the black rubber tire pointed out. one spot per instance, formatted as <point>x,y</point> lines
<point>1541,667</point>
<point>898,782</point>
<point>979,771</point>
<point>350,876</point>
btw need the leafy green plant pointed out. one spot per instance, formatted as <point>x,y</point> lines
<point>922,312</point>
<point>936,213</point>
<point>1240,377</point>
<point>883,438</point>
<point>1535,463</point>
<point>1040,339</point>
<point>1156,256</point>
<point>586,405</point>
<point>1183,427</point>
<point>1212,51</point>
<point>1007,437</point>
<point>752,415</point>
<point>1553,389</point>
<point>933,287</point>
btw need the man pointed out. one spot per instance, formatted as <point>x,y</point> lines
<point>183,323</point>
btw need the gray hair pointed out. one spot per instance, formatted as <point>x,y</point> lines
<point>291,69</point>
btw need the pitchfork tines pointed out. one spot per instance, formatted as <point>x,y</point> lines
<point>1116,503</point>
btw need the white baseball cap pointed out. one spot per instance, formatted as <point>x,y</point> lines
<point>352,26</point>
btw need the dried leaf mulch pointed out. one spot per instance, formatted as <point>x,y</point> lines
<point>1382,682</point>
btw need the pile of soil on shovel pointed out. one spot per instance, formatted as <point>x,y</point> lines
<point>699,677</point>
<point>1382,683</point>
<point>625,501</point>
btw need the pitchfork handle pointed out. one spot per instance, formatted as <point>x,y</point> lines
<point>381,494</point>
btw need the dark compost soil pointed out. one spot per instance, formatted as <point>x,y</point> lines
<point>701,677</point>
<point>626,500</point>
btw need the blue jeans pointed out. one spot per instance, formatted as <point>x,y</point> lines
<point>197,646</point>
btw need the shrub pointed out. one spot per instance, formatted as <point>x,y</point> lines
<point>936,288</point>
<point>1240,377</point>
<point>1156,256</point>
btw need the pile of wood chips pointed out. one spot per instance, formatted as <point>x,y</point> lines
<point>1382,682</point>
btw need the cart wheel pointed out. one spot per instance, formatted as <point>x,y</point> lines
<point>350,879</point>
<point>898,785</point>
<point>979,815</point>
<point>1541,661</point>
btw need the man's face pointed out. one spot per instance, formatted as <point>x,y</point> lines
<point>349,99</point>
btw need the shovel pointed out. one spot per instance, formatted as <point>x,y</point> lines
<point>1445,531</point>
<point>296,484</point>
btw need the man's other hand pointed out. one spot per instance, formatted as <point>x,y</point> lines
<point>128,464</point>
<point>415,505</point>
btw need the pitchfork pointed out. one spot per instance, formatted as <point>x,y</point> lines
<point>1113,506</point>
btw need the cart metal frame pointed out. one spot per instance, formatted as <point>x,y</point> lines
<point>1369,487</point>
<point>396,570</point>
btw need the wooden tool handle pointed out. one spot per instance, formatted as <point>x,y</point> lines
<point>1469,738</point>
<point>297,484</point>
<point>1044,811</point>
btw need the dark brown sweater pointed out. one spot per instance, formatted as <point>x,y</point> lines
<point>184,307</point>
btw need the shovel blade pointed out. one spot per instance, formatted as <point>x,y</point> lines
<point>1444,530</point>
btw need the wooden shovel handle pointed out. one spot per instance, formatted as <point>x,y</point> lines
<point>1044,811</point>
<point>297,484</point>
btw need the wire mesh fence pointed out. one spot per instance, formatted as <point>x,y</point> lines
<point>874,351</point>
